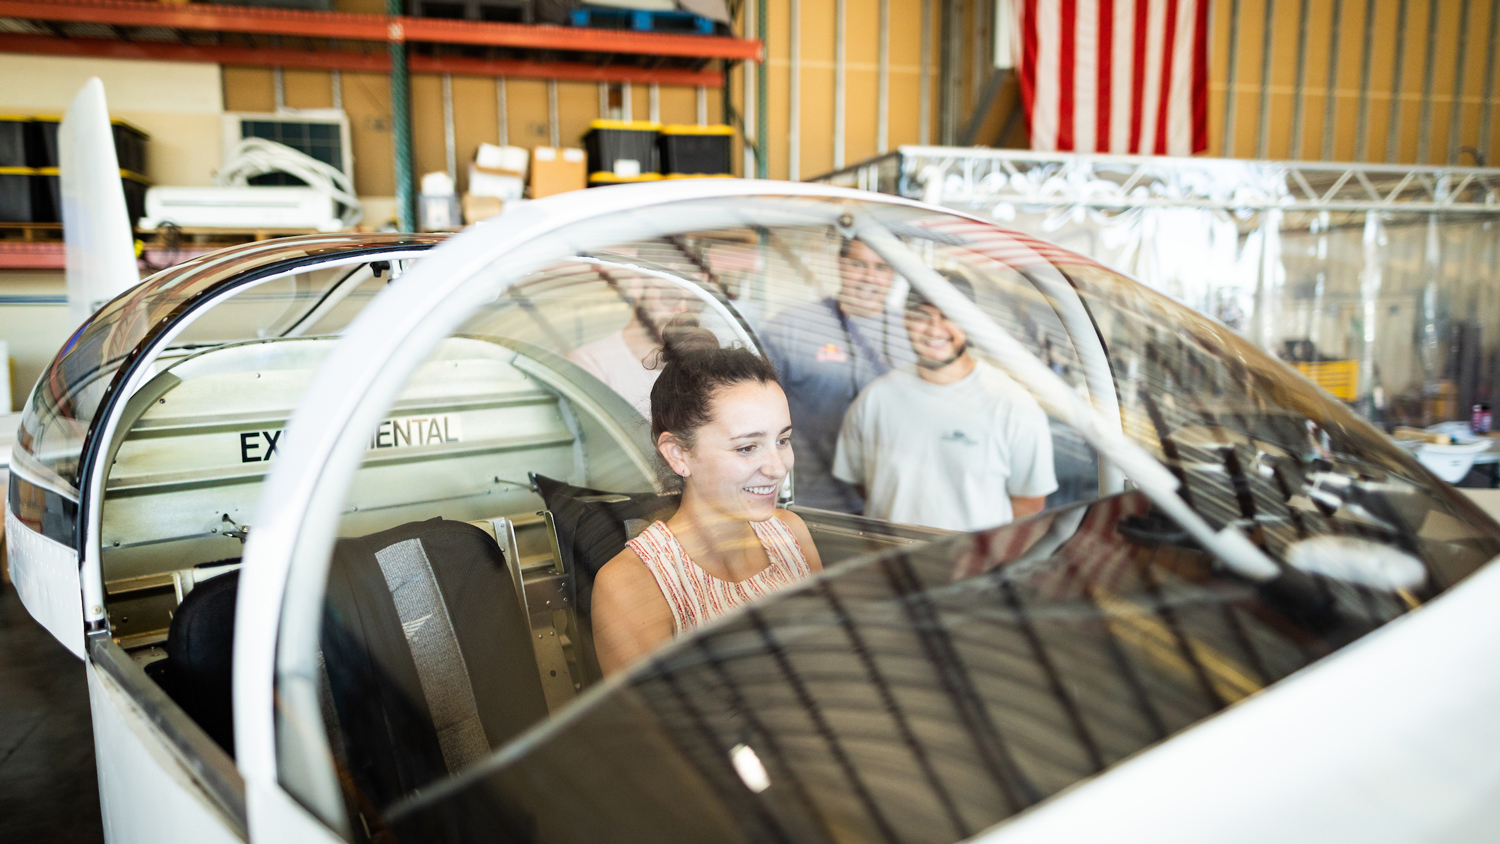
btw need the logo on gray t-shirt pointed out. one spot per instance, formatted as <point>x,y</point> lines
<point>957,436</point>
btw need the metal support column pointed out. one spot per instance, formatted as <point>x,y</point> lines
<point>1393,129</point>
<point>840,82</point>
<point>450,136</point>
<point>702,106</point>
<point>749,107</point>
<point>627,110</point>
<point>1429,70</point>
<point>1263,131</point>
<point>1455,116</point>
<point>1331,99</point>
<point>278,89</point>
<point>950,71</point>
<point>1362,129</point>
<point>924,78</point>
<point>1229,83</point>
<point>406,200</point>
<point>1369,295</point>
<point>883,83</point>
<point>762,92</point>
<point>794,93</point>
<point>502,117</point>
<point>554,129</point>
<point>1299,90</point>
<point>653,102</point>
<point>336,84</point>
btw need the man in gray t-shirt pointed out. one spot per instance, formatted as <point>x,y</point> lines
<point>825,353</point>
<point>949,442</point>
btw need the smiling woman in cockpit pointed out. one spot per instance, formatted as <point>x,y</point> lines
<point>721,424</point>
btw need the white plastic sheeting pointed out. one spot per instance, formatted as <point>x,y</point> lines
<point>1391,268</point>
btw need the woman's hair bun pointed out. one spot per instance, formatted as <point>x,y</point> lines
<point>684,337</point>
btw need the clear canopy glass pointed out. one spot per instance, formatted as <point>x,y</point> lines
<point>946,669</point>
<point>63,408</point>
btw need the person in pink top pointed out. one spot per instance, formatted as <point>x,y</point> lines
<point>721,424</point>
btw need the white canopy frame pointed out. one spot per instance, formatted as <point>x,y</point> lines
<point>287,558</point>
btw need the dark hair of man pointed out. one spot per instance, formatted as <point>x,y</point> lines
<point>915,300</point>
<point>694,367</point>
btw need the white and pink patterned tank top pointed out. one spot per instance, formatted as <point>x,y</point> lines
<point>697,597</point>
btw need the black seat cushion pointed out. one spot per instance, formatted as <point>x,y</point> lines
<point>592,524</point>
<point>200,657</point>
<point>410,612</point>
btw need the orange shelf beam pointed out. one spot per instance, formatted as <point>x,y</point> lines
<point>372,62</point>
<point>258,21</point>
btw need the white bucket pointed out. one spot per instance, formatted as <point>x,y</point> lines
<point>1451,462</point>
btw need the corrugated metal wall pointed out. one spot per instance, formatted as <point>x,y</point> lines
<point>1443,99</point>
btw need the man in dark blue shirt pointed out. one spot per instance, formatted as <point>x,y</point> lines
<point>825,353</point>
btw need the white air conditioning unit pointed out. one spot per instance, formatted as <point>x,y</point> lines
<point>322,133</point>
<point>241,208</point>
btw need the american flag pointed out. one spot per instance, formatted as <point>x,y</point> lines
<point>1118,76</point>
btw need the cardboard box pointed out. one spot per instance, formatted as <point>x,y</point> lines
<point>556,170</point>
<point>500,184</point>
<point>510,159</point>
<point>480,207</point>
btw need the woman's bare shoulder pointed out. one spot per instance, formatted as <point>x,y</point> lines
<point>624,570</point>
<point>804,537</point>
<point>630,614</point>
<point>792,519</point>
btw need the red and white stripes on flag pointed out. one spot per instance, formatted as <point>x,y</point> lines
<point>1118,76</point>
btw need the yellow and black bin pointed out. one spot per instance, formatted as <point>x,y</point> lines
<point>689,151</point>
<point>621,151</point>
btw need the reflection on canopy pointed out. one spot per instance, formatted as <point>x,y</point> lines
<point>919,696</point>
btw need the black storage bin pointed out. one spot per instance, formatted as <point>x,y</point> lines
<point>46,196</point>
<point>13,133</point>
<point>608,141</point>
<point>41,142</point>
<point>697,150</point>
<point>135,195</point>
<point>16,194</point>
<point>497,11</point>
<point>130,146</point>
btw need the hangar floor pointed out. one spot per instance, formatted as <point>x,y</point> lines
<point>48,787</point>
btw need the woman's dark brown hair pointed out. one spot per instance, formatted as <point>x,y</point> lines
<point>693,368</point>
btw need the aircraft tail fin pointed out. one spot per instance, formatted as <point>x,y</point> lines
<point>98,242</point>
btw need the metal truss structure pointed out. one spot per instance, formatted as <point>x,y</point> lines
<point>975,178</point>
